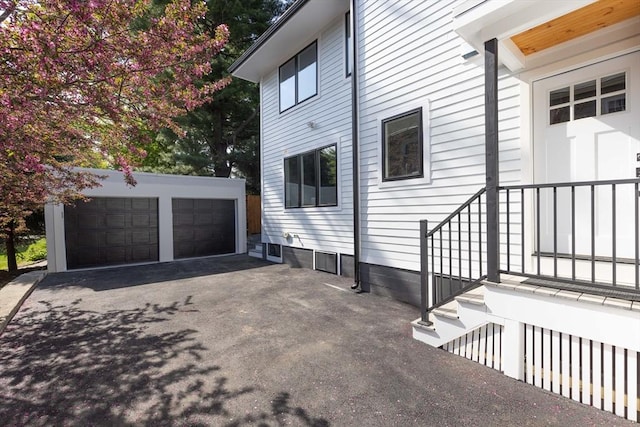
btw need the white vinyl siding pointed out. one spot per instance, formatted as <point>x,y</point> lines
<point>320,121</point>
<point>408,54</point>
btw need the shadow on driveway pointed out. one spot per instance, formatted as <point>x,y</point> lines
<point>125,276</point>
<point>71,366</point>
<point>218,343</point>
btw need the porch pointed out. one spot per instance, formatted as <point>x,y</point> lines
<point>559,305</point>
<point>541,280</point>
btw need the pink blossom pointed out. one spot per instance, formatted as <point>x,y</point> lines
<point>78,88</point>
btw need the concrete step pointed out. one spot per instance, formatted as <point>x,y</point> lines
<point>471,298</point>
<point>454,319</point>
<point>448,312</point>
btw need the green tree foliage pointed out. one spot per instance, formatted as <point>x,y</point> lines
<point>223,135</point>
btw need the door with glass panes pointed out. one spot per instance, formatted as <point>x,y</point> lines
<point>587,128</point>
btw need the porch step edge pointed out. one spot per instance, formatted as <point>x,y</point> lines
<point>574,295</point>
<point>423,326</point>
<point>471,299</point>
<point>449,313</point>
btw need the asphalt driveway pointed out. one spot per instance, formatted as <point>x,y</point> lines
<point>234,341</point>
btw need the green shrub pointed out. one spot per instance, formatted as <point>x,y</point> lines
<point>36,251</point>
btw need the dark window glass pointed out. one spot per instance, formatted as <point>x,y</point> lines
<point>299,77</point>
<point>328,176</point>
<point>584,109</point>
<point>613,104</point>
<point>586,99</point>
<point>288,85</point>
<point>348,47</point>
<point>584,90</point>
<point>292,182</point>
<point>274,250</point>
<point>560,96</point>
<point>559,115</point>
<point>612,83</point>
<point>311,179</point>
<point>402,146</point>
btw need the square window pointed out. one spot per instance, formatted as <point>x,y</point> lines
<point>614,104</point>
<point>311,178</point>
<point>402,146</point>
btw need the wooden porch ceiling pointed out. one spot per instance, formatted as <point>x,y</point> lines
<point>580,22</point>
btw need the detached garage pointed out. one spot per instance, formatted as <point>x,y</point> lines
<point>162,218</point>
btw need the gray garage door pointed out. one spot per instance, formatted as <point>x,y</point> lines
<point>203,227</point>
<point>111,231</point>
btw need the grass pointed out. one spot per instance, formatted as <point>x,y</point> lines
<point>27,252</point>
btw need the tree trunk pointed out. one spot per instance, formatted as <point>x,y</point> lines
<point>12,263</point>
<point>221,163</point>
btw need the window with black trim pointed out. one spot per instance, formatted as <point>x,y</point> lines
<point>402,146</point>
<point>348,44</point>
<point>311,179</point>
<point>298,77</point>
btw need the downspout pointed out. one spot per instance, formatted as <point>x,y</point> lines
<point>354,147</point>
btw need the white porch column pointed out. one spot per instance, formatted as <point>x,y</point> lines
<point>513,349</point>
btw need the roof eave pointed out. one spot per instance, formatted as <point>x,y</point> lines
<point>286,16</point>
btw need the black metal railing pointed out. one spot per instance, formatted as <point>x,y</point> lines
<point>584,224</point>
<point>590,224</point>
<point>451,254</point>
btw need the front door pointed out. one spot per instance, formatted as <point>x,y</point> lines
<point>587,128</point>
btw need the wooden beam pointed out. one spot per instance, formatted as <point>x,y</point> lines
<point>580,22</point>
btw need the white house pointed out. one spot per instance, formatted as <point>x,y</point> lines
<point>478,158</point>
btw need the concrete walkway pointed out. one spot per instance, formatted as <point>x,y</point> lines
<point>13,294</point>
<point>235,341</point>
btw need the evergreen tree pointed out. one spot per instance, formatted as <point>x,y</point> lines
<point>222,135</point>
